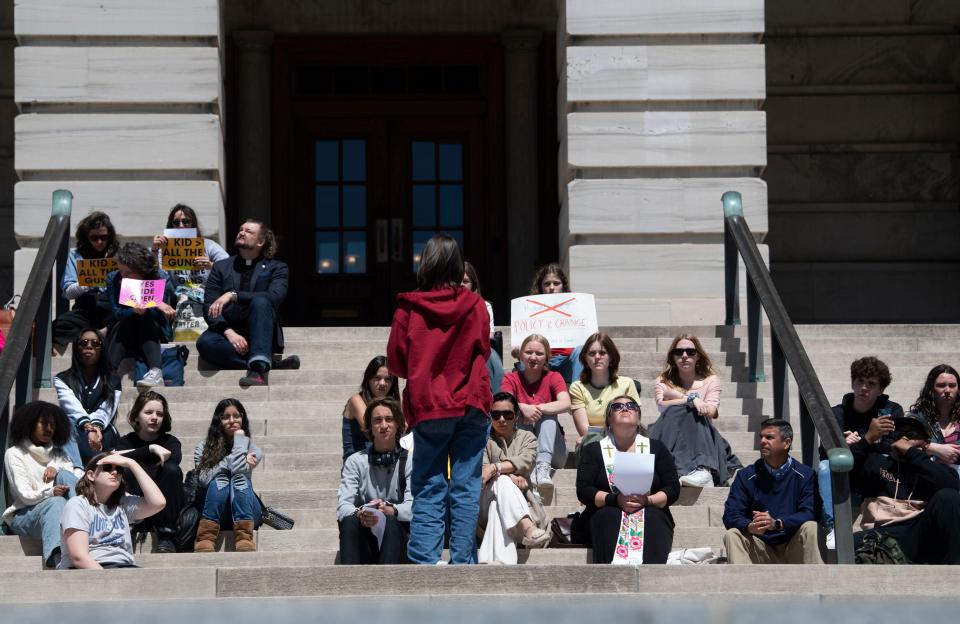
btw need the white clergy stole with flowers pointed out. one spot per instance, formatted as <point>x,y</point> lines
<point>629,549</point>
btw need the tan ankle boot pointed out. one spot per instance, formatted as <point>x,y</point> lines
<point>243,536</point>
<point>207,532</point>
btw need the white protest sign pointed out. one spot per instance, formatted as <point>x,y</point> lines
<point>565,319</point>
<point>180,232</point>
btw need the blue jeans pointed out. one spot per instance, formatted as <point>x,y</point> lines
<point>71,448</point>
<point>568,366</point>
<point>214,347</point>
<point>233,501</point>
<point>495,370</point>
<point>826,493</point>
<point>462,439</point>
<point>42,521</point>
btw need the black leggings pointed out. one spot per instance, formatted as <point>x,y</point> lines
<point>169,478</point>
<point>136,336</point>
<point>358,545</point>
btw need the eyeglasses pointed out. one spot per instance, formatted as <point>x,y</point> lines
<point>504,414</point>
<point>96,238</point>
<point>624,407</point>
<point>184,222</point>
<point>89,342</point>
<point>679,352</point>
<point>109,468</point>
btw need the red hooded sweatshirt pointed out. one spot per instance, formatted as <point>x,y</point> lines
<point>440,342</point>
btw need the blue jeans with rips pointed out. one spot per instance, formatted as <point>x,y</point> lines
<point>231,501</point>
<point>462,440</point>
<point>42,521</point>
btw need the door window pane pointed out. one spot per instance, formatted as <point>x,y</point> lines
<point>354,160</point>
<point>451,205</point>
<point>354,252</point>
<point>327,206</point>
<point>328,252</point>
<point>451,161</point>
<point>355,206</point>
<point>420,239</point>
<point>423,160</point>
<point>327,161</point>
<point>424,205</point>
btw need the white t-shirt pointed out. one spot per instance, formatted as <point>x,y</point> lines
<point>109,530</point>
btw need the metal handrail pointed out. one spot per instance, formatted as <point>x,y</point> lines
<point>816,415</point>
<point>25,359</point>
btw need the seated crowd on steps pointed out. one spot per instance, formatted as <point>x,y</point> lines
<point>457,461</point>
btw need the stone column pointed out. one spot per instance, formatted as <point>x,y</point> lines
<point>522,188</point>
<point>254,124</point>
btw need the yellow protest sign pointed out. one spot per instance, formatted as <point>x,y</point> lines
<point>179,253</point>
<point>94,272</point>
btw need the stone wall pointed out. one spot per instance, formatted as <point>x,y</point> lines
<point>864,175</point>
<point>660,114</point>
<point>119,102</point>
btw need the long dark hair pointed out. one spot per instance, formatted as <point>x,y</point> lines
<point>925,403</point>
<point>612,352</point>
<point>441,264</point>
<point>536,286</point>
<point>470,271</point>
<point>215,446</point>
<point>86,488</point>
<point>188,212</point>
<point>94,221</point>
<point>371,371</point>
<point>26,417</point>
<point>74,377</point>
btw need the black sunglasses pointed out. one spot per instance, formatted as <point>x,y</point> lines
<point>679,352</point>
<point>108,468</point>
<point>178,222</point>
<point>96,238</point>
<point>623,407</point>
<point>504,414</point>
<point>89,342</point>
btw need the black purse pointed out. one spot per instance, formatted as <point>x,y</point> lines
<point>189,518</point>
<point>274,518</point>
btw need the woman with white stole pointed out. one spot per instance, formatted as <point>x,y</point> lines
<point>625,528</point>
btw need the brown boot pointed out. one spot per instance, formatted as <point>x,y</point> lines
<point>207,533</point>
<point>243,536</point>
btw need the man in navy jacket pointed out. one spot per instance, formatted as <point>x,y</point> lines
<point>241,301</point>
<point>771,510</point>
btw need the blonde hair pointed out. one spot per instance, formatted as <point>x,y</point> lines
<point>536,338</point>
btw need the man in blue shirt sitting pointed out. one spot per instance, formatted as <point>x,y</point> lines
<point>771,510</point>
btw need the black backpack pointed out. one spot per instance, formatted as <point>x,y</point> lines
<point>881,549</point>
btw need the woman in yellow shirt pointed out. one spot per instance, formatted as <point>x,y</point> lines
<point>598,384</point>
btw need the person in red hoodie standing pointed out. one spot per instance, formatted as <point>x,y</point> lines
<point>440,342</point>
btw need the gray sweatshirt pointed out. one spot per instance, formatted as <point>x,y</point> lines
<point>360,483</point>
<point>234,464</point>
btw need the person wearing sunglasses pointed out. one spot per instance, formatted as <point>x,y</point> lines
<point>96,238</point>
<point>510,511</point>
<point>95,525</point>
<point>89,392</point>
<point>189,284</point>
<point>40,474</point>
<point>625,527</point>
<point>688,399</point>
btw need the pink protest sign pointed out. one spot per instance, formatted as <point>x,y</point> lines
<point>147,293</point>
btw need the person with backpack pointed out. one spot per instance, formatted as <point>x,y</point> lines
<point>375,483</point>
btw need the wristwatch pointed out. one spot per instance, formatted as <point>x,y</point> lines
<point>233,296</point>
<point>691,397</point>
<point>778,524</point>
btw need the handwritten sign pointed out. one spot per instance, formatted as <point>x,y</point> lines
<point>94,272</point>
<point>146,293</point>
<point>565,319</point>
<point>179,253</point>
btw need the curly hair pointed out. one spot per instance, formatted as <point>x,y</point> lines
<point>269,239</point>
<point>188,212</point>
<point>536,286</point>
<point>607,343</point>
<point>141,401</point>
<point>870,366</point>
<point>394,408</point>
<point>926,404</point>
<point>141,260</point>
<point>215,446</point>
<point>94,221</point>
<point>373,367</point>
<point>704,367</point>
<point>86,489</point>
<point>26,417</point>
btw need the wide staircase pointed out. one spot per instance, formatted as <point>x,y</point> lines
<point>297,422</point>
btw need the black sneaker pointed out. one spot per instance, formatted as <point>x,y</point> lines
<point>53,561</point>
<point>165,545</point>
<point>253,378</point>
<point>286,363</point>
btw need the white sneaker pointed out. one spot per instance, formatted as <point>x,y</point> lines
<point>700,478</point>
<point>154,377</point>
<point>541,478</point>
<point>831,540</point>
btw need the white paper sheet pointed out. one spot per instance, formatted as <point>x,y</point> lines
<point>180,232</point>
<point>633,472</point>
<point>379,526</point>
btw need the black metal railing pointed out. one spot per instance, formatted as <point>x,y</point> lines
<point>26,358</point>
<point>816,415</point>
